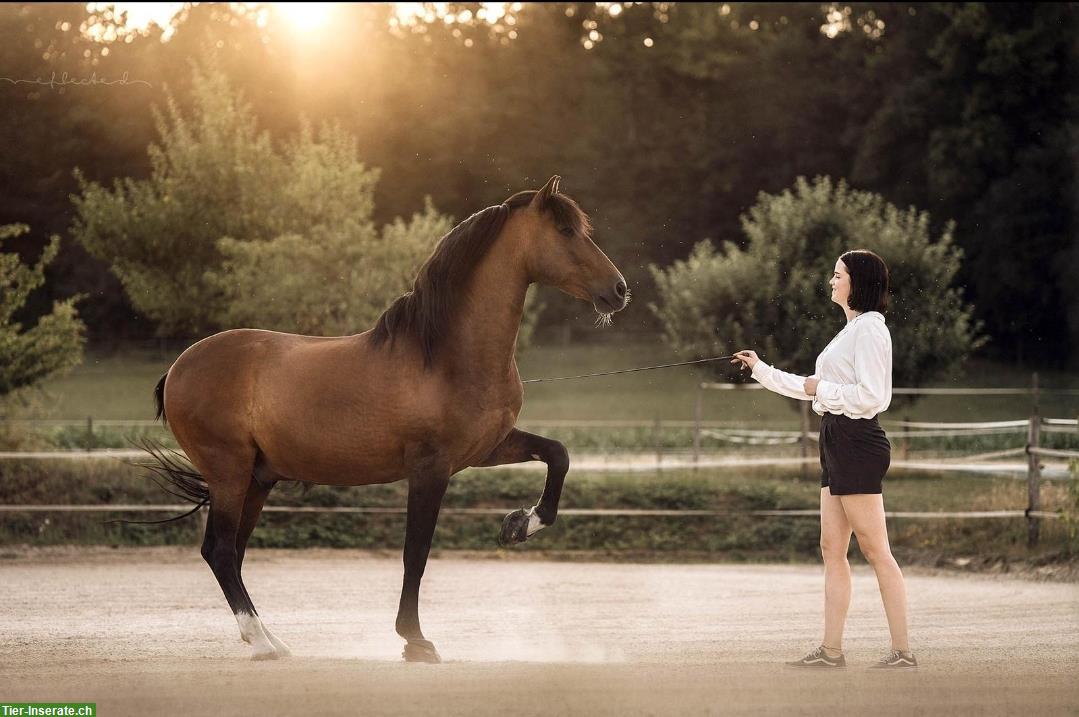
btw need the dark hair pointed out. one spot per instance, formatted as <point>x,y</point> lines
<point>868,280</point>
<point>425,312</point>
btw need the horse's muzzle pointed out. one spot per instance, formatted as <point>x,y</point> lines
<point>613,299</point>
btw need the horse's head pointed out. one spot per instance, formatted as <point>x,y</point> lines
<point>561,252</point>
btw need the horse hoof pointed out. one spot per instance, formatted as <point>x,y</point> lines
<point>421,651</point>
<point>514,528</point>
<point>281,648</point>
<point>261,655</point>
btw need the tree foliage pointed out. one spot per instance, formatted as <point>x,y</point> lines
<point>666,119</point>
<point>213,175</point>
<point>54,343</point>
<point>230,231</point>
<point>977,124</point>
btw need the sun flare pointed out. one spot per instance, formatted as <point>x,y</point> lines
<point>304,17</point>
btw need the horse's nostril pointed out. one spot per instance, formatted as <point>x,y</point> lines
<point>620,289</point>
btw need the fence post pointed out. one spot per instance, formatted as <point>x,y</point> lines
<point>697,411</point>
<point>1034,472</point>
<point>904,447</point>
<point>804,406</point>
<point>659,440</point>
<point>89,433</point>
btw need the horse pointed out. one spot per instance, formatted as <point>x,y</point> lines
<point>430,390</point>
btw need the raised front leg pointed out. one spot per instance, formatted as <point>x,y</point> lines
<point>425,492</point>
<point>520,447</point>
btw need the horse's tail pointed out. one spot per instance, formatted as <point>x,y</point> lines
<point>174,475</point>
<point>159,400</point>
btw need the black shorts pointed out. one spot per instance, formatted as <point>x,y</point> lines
<point>854,454</point>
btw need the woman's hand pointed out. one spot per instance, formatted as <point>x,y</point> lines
<point>747,358</point>
<point>811,385</point>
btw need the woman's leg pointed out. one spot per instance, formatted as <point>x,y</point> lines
<point>866,516</point>
<point>834,542</point>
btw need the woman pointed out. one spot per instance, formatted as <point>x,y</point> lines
<point>851,385</point>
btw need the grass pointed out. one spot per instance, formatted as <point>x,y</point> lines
<point>120,386</point>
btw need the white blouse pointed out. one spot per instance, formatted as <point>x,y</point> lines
<point>855,371</point>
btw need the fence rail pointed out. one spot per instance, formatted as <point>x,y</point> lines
<point>909,391</point>
<point>591,512</point>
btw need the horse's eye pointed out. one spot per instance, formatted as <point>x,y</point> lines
<point>567,231</point>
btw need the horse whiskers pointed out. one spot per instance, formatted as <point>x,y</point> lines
<point>605,319</point>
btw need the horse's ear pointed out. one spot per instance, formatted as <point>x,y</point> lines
<point>543,196</point>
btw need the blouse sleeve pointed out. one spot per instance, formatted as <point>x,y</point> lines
<point>781,382</point>
<point>872,371</point>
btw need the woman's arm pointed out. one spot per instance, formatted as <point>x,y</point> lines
<point>781,382</point>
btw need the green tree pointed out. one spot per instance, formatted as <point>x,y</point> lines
<point>333,280</point>
<point>772,297</point>
<point>978,124</point>
<point>54,343</point>
<point>213,175</point>
<point>228,230</point>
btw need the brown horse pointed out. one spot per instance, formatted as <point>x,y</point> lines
<point>431,390</point>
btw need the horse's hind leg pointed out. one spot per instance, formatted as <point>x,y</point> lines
<point>257,492</point>
<point>228,492</point>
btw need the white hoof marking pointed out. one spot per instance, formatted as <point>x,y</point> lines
<point>282,649</point>
<point>252,632</point>
<point>534,523</point>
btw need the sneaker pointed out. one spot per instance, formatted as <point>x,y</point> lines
<point>819,658</point>
<point>897,658</point>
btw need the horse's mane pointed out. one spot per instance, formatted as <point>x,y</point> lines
<point>425,312</point>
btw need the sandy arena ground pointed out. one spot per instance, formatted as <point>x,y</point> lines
<point>147,631</point>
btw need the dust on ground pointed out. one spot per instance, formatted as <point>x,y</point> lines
<point>147,631</point>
